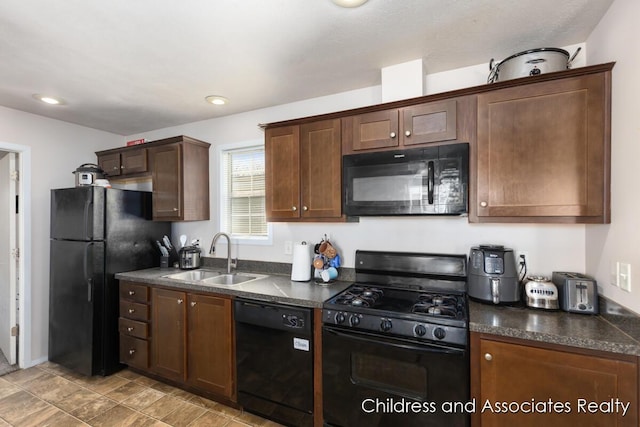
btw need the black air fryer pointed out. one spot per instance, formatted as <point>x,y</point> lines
<point>493,275</point>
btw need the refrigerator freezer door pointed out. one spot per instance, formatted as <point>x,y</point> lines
<point>78,213</point>
<point>76,303</point>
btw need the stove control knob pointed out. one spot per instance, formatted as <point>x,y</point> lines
<point>385,325</point>
<point>420,330</point>
<point>340,318</point>
<point>354,320</point>
<point>439,333</point>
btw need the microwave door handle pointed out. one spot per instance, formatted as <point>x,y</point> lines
<point>430,181</point>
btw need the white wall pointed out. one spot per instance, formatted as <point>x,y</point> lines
<point>57,148</point>
<point>616,39</point>
<point>550,247</point>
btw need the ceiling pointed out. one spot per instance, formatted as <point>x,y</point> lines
<point>132,66</point>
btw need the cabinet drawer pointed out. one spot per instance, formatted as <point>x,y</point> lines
<point>134,352</point>
<point>134,310</point>
<point>133,328</point>
<point>134,292</point>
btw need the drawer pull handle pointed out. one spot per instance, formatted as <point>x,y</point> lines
<point>392,135</point>
<point>180,300</point>
<point>130,329</point>
<point>488,357</point>
<point>484,204</point>
<point>132,351</point>
<point>131,311</point>
<point>193,303</point>
<point>407,133</point>
<point>132,292</point>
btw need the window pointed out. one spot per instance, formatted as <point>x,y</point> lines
<point>242,193</point>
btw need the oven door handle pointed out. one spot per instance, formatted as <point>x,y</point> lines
<point>376,339</point>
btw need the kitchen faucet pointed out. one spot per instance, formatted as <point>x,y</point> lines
<point>230,262</point>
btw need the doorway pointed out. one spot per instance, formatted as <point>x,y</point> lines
<point>9,253</point>
<point>15,232</point>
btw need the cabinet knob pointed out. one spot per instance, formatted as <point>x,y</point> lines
<point>122,167</point>
<point>392,135</point>
<point>175,209</point>
<point>132,351</point>
<point>304,208</point>
<point>129,329</point>
<point>484,204</point>
<point>193,303</point>
<point>132,292</point>
<point>115,168</point>
<point>293,208</point>
<point>407,133</point>
<point>488,357</point>
<point>180,300</point>
<point>131,311</point>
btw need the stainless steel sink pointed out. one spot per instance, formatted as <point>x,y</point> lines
<point>232,279</point>
<point>193,275</point>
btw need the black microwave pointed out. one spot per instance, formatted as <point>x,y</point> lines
<point>419,181</point>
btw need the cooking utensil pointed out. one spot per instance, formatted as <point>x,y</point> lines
<point>88,173</point>
<point>189,257</point>
<point>183,240</point>
<point>540,292</point>
<point>530,63</point>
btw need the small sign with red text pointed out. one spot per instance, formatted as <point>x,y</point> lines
<point>136,142</point>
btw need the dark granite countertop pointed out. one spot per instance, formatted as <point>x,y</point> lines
<point>613,332</point>
<point>272,288</point>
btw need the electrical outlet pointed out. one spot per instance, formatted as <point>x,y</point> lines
<point>624,276</point>
<point>613,274</point>
<point>288,247</point>
<point>524,254</point>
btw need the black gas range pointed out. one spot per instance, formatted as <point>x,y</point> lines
<point>400,332</point>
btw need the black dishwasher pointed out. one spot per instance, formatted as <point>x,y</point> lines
<point>274,361</point>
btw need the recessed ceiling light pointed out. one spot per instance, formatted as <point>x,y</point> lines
<point>216,100</point>
<point>349,3</point>
<point>51,100</point>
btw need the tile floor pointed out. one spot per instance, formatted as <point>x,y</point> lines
<point>50,395</point>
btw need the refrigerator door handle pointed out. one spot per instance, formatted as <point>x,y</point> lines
<point>88,210</point>
<point>87,276</point>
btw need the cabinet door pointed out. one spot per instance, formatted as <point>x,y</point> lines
<point>167,182</point>
<point>210,344</point>
<point>518,373</point>
<point>375,130</point>
<point>282,163</point>
<point>431,122</point>
<point>110,164</point>
<point>134,161</point>
<point>321,169</point>
<point>543,150</point>
<point>168,323</point>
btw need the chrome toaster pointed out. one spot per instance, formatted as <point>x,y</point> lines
<point>577,293</point>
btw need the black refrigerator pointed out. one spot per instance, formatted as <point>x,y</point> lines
<point>96,232</point>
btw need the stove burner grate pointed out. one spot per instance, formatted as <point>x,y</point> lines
<point>359,296</point>
<point>439,306</point>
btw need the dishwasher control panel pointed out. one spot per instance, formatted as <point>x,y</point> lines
<point>293,321</point>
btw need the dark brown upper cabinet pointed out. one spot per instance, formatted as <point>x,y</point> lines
<point>179,172</point>
<point>304,172</point>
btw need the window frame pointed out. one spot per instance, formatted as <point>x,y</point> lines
<point>222,199</point>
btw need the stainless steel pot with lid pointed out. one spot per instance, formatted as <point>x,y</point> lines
<point>189,257</point>
<point>530,63</point>
<point>87,174</point>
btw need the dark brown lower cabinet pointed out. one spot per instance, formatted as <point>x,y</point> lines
<point>191,341</point>
<point>519,383</point>
<point>210,344</point>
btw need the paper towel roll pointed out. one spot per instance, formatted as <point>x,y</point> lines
<point>301,266</point>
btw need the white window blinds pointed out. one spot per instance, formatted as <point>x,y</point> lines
<point>243,210</point>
